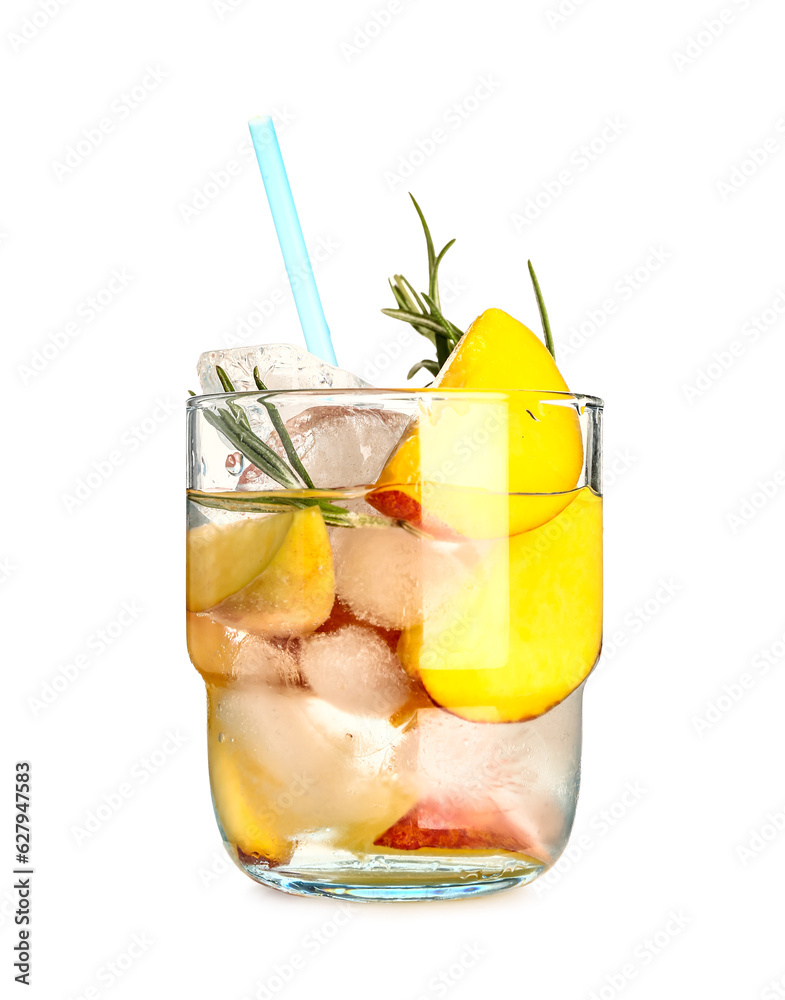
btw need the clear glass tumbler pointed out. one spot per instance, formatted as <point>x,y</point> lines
<point>394,599</point>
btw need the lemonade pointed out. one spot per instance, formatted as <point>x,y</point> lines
<point>391,712</point>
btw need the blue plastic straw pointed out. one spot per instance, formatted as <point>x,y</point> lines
<point>290,236</point>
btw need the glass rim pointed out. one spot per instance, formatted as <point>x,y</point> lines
<point>491,395</point>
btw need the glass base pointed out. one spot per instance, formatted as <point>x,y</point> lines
<point>398,878</point>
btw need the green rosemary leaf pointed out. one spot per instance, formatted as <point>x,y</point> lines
<point>400,296</point>
<point>423,311</point>
<point>546,326</point>
<point>457,333</point>
<point>427,364</point>
<point>240,503</point>
<point>289,448</point>
<point>442,252</point>
<point>348,519</point>
<point>443,350</point>
<point>283,434</point>
<point>240,416</point>
<point>415,320</point>
<point>426,321</point>
<point>433,283</point>
<point>225,382</point>
<point>333,515</point>
<point>415,295</point>
<point>436,314</point>
<point>426,230</point>
<point>272,460</point>
<point>254,450</point>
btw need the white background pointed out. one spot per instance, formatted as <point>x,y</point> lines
<point>355,99</point>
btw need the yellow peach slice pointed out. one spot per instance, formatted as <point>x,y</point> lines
<point>461,466</point>
<point>224,655</point>
<point>223,558</point>
<point>213,648</point>
<point>272,575</point>
<point>241,793</point>
<point>295,590</point>
<point>499,352</point>
<point>525,630</point>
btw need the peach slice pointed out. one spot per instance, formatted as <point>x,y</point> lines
<point>455,468</point>
<point>241,790</point>
<point>213,648</point>
<point>224,655</point>
<point>525,630</point>
<point>272,576</point>
<point>223,558</point>
<point>437,826</point>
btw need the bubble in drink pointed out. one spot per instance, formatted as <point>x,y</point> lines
<point>234,463</point>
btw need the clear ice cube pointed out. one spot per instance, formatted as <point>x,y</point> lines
<point>393,578</point>
<point>459,760</point>
<point>355,670</point>
<point>260,661</point>
<point>524,772</point>
<point>340,446</point>
<point>281,366</point>
<point>313,769</point>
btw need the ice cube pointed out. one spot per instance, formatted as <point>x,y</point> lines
<point>340,446</point>
<point>310,769</point>
<point>459,760</point>
<point>523,771</point>
<point>469,778</point>
<point>460,757</point>
<point>281,366</point>
<point>259,660</point>
<point>393,578</point>
<point>355,670</point>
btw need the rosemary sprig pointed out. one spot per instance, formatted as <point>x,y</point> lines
<point>424,311</point>
<point>283,434</point>
<point>546,325</point>
<point>333,515</point>
<point>234,425</point>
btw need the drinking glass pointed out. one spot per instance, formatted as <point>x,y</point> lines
<point>394,660</point>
